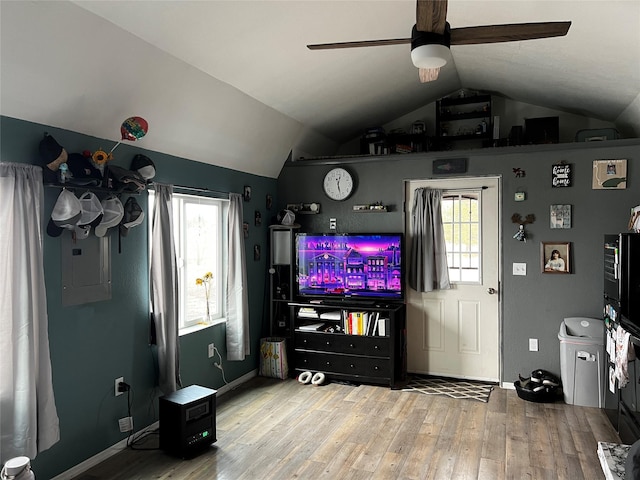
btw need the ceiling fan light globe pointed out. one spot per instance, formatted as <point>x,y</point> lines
<point>430,56</point>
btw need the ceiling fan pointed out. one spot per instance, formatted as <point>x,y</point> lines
<point>432,36</point>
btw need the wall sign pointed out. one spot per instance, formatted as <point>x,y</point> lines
<point>561,175</point>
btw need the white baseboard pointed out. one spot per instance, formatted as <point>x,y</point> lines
<point>508,385</point>
<point>122,444</point>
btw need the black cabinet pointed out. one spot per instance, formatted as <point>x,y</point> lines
<point>463,119</point>
<point>377,355</point>
<point>281,278</point>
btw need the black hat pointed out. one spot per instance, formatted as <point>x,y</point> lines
<point>52,156</point>
<point>144,166</point>
<point>83,171</point>
<point>125,180</point>
<point>133,215</point>
<point>49,149</point>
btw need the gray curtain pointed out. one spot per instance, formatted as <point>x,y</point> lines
<point>164,290</point>
<point>238,341</point>
<point>428,269</point>
<point>28,415</point>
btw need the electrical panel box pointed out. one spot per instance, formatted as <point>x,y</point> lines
<point>86,269</point>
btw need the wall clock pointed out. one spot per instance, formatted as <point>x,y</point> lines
<point>338,184</point>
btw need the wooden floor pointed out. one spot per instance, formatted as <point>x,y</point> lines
<point>274,429</point>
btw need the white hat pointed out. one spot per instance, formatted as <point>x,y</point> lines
<point>92,213</point>
<point>113,213</point>
<point>66,213</point>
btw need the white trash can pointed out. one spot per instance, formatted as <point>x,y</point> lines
<point>581,360</point>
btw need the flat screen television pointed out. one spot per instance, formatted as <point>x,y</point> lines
<point>354,266</point>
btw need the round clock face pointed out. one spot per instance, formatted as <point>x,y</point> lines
<point>338,184</point>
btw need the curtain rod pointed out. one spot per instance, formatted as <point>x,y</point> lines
<point>200,190</point>
<point>467,189</point>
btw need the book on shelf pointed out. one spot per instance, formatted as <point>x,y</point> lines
<point>311,327</point>
<point>307,312</point>
<point>383,327</point>
<point>331,315</point>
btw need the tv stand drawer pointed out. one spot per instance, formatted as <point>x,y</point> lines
<point>352,365</point>
<point>341,343</point>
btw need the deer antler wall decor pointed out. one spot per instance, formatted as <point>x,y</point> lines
<point>521,235</point>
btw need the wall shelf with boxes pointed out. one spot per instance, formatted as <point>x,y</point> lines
<point>349,341</point>
<point>463,118</point>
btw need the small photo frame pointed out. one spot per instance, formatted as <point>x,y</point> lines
<point>245,229</point>
<point>555,257</point>
<point>560,216</point>
<point>257,218</point>
<point>256,252</point>
<point>269,201</point>
<point>247,193</point>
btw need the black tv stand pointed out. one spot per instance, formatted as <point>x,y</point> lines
<point>370,356</point>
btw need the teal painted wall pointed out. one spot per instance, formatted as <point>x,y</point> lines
<point>93,344</point>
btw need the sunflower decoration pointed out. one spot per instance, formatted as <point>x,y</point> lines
<point>206,280</point>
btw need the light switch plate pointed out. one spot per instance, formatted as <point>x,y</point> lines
<point>519,268</point>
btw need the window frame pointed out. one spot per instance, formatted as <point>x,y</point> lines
<point>180,203</point>
<point>470,194</point>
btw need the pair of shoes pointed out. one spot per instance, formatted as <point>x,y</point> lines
<point>315,379</point>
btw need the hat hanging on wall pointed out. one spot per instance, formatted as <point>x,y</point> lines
<point>133,216</point>
<point>92,213</point>
<point>66,213</point>
<point>113,213</point>
<point>144,166</point>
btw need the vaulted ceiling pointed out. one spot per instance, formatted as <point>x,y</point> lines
<point>232,82</point>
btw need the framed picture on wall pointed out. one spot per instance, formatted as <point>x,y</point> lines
<point>609,174</point>
<point>555,257</point>
<point>560,216</point>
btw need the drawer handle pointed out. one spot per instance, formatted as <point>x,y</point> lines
<point>328,343</point>
<point>304,341</point>
<point>351,345</point>
<point>328,364</point>
<point>376,347</point>
<point>352,366</point>
<point>376,368</point>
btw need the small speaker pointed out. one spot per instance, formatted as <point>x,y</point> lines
<point>281,247</point>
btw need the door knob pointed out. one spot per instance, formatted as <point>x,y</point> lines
<point>491,291</point>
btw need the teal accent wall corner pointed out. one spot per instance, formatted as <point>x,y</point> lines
<point>95,343</point>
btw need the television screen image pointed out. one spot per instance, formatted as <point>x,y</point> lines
<point>367,266</point>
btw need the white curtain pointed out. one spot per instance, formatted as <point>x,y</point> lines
<point>164,290</point>
<point>238,341</point>
<point>28,416</point>
<point>428,268</point>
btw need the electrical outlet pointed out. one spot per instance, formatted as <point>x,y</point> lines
<point>519,268</point>
<point>117,382</point>
<point>125,424</point>
<point>211,350</point>
<point>533,344</point>
<point>333,224</point>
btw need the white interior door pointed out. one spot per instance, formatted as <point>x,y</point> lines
<point>456,332</point>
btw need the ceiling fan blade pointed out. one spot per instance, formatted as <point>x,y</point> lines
<point>363,43</point>
<point>508,33</point>
<point>431,15</point>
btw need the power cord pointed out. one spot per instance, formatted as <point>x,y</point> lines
<point>219,365</point>
<point>133,440</point>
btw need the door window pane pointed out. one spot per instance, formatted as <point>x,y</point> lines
<point>461,222</point>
